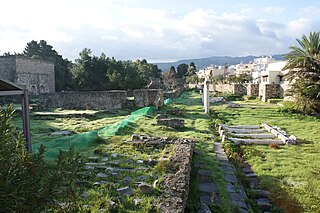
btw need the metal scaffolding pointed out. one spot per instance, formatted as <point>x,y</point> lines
<point>9,88</point>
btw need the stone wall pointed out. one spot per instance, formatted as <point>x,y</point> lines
<point>36,75</point>
<point>8,68</point>
<point>148,97</point>
<point>235,89</point>
<point>267,91</point>
<point>176,181</point>
<point>84,100</point>
<point>253,89</point>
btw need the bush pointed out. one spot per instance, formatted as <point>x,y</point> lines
<point>289,107</point>
<point>28,183</point>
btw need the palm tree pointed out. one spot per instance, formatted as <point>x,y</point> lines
<point>304,72</point>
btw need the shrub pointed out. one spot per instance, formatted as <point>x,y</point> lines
<point>28,183</point>
<point>273,146</point>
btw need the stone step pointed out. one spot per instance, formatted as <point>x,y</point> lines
<point>245,127</point>
<point>207,187</point>
<point>204,175</point>
<point>254,135</point>
<point>238,141</point>
<point>234,130</point>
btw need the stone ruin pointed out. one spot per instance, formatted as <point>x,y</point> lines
<point>254,134</point>
<point>34,74</point>
<point>163,120</point>
<point>102,100</point>
<point>176,180</point>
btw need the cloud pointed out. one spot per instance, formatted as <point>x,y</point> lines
<point>127,32</point>
<point>274,10</point>
<point>309,12</point>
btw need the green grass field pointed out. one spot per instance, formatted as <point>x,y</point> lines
<point>290,173</point>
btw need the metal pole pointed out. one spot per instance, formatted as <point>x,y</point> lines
<point>26,120</point>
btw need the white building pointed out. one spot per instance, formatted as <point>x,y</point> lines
<point>260,64</point>
<point>273,73</point>
<point>213,71</point>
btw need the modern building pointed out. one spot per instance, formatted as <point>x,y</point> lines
<point>33,74</point>
<point>213,71</point>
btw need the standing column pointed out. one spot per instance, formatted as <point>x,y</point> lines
<point>206,96</point>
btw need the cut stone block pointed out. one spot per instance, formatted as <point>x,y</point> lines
<point>254,135</point>
<point>238,141</point>
<point>207,187</point>
<point>234,130</point>
<point>227,169</point>
<point>264,204</point>
<point>204,175</point>
<point>250,175</point>
<point>246,127</point>
<point>230,178</point>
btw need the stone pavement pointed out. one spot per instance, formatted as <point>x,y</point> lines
<point>233,186</point>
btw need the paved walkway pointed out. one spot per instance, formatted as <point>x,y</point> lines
<point>233,186</point>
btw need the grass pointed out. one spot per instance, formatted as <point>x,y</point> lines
<point>197,127</point>
<point>290,173</point>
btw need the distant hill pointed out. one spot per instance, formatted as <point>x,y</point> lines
<point>216,60</point>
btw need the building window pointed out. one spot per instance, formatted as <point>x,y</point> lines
<point>42,89</point>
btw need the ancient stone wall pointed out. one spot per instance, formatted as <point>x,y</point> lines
<point>253,89</point>
<point>235,89</point>
<point>34,74</point>
<point>84,100</point>
<point>176,181</point>
<point>267,91</point>
<point>37,75</point>
<point>148,97</point>
<point>7,68</point>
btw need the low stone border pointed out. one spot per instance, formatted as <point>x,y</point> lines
<point>176,181</point>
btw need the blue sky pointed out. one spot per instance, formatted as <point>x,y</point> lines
<point>158,30</point>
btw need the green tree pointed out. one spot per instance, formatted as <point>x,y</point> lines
<point>44,51</point>
<point>182,70</point>
<point>304,72</point>
<point>191,69</point>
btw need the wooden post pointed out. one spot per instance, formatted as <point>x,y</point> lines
<point>25,120</point>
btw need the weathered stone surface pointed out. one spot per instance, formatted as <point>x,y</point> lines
<point>148,97</point>
<point>126,190</point>
<point>89,99</point>
<point>101,175</point>
<point>171,122</point>
<point>227,169</point>
<point>35,74</point>
<point>63,132</point>
<point>161,116</point>
<point>142,177</point>
<point>264,204</point>
<point>207,187</point>
<point>204,209</point>
<point>231,178</point>
<point>127,180</point>
<point>146,188</point>
<point>137,201</point>
<point>204,175</point>
<point>250,175</point>
<point>176,182</point>
<point>206,199</point>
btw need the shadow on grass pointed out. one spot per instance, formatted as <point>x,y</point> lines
<point>279,196</point>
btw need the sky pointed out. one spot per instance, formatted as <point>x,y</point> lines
<point>158,30</point>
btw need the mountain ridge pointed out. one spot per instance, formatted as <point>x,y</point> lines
<point>216,60</point>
